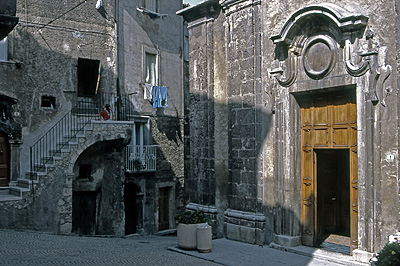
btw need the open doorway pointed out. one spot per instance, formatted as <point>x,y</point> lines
<point>329,175</point>
<point>88,77</point>
<point>84,212</point>
<point>131,218</point>
<point>163,209</point>
<point>333,199</point>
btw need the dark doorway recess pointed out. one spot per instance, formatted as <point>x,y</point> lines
<point>88,77</point>
<point>163,205</point>
<point>131,213</point>
<point>333,200</point>
<point>84,213</point>
<point>4,160</point>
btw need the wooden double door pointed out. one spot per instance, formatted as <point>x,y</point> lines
<point>329,167</point>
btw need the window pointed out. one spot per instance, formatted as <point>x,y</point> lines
<point>151,5</point>
<point>85,171</point>
<point>3,50</point>
<point>3,112</point>
<point>151,68</point>
<point>88,77</point>
<point>48,102</point>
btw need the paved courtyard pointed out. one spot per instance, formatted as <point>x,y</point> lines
<point>20,248</point>
<point>42,249</point>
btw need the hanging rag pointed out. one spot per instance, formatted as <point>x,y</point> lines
<point>148,91</point>
<point>163,95</point>
<point>156,97</point>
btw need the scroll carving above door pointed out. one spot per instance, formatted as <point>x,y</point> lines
<point>317,38</point>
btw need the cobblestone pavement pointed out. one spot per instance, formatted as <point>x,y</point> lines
<point>19,248</point>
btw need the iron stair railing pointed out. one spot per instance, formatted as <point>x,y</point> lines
<point>51,144</point>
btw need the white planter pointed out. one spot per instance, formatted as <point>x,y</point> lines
<point>204,238</point>
<point>187,236</point>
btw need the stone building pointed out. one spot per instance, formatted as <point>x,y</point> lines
<point>294,120</point>
<point>66,169</point>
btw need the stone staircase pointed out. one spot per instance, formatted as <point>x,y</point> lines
<point>26,184</point>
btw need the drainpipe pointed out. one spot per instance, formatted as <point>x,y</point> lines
<point>116,40</point>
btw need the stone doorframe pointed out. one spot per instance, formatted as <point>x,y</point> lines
<point>315,51</point>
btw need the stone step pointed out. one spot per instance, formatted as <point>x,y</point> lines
<point>19,191</point>
<point>26,183</point>
<point>34,175</point>
<point>42,167</point>
<point>6,196</point>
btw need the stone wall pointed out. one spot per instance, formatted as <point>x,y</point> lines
<point>43,52</point>
<point>266,64</point>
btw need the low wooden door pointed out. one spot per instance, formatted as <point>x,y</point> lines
<point>328,121</point>
<point>4,160</point>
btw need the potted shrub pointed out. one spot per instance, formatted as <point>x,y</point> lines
<point>389,255</point>
<point>187,228</point>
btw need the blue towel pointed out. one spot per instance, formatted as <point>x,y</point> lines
<point>163,95</point>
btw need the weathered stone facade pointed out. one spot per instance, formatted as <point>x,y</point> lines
<point>63,54</point>
<point>263,75</point>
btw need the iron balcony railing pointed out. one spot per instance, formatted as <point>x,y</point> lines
<point>141,158</point>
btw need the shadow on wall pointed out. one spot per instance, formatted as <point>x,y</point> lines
<point>170,126</point>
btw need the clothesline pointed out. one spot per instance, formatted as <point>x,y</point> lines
<point>141,83</point>
<point>156,94</point>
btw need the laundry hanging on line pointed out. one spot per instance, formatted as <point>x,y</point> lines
<point>148,91</point>
<point>160,96</point>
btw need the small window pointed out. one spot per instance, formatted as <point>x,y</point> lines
<point>48,102</point>
<point>3,50</point>
<point>3,112</point>
<point>151,5</point>
<point>85,171</point>
<point>88,77</point>
<point>151,68</point>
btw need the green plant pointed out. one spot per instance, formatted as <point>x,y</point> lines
<point>389,255</point>
<point>137,164</point>
<point>192,217</point>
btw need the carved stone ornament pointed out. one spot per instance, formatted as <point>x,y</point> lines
<point>314,34</point>
<point>299,37</point>
<point>367,57</point>
<point>319,56</point>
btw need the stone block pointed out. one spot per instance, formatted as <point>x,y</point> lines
<point>247,234</point>
<point>287,241</point>
<point>232,231</point>
<point>362,256</point>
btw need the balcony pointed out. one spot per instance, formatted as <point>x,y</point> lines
<point>141,158</point>
<point>8,20</point>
